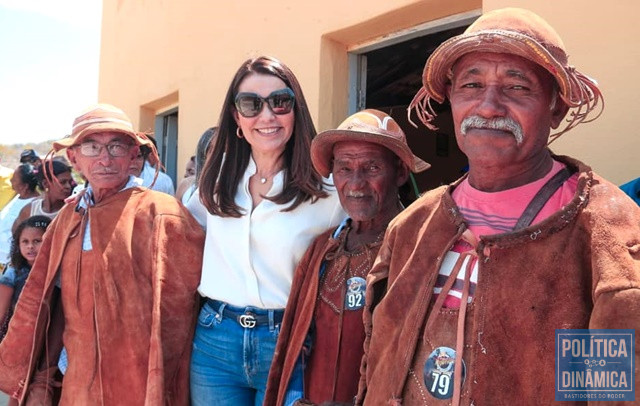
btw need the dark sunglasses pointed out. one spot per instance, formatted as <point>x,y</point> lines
<point>279,102</point>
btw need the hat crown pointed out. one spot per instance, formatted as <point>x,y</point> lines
<point>100,115</point>
<point>371,126</point>
<point>100,118</point>
<point>518,32</point>
<point>376,122</point>
<point>523,22</point>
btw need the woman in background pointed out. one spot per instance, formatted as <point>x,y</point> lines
<point>56,183</point>
<point>24,249</point>
<point>188,185</point>
<point>262,204</point>
<point>25,246</point>
<point>24,182</point>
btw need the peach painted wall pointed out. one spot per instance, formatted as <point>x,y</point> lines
<point>157,55</point>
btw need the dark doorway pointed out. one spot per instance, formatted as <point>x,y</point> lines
<point>393,76</point>
<point>166,133</point>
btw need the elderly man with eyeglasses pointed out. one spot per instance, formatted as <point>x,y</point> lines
<point>123,263</point>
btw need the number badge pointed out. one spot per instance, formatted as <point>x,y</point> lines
<point>438,372</point>
<point>354,299</point>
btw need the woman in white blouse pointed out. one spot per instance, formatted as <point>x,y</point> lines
<point>262,204</point>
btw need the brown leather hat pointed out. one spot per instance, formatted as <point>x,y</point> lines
<point>96,119</point>
<point>369,126</point>
<point>512,31</point>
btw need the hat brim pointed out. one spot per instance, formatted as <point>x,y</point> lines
<point>438,67</point>
<point>99,128</point>
<point>322,149</point>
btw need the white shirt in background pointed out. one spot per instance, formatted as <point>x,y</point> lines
<point>163,183</point>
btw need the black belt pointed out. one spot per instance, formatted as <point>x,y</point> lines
<point>246,319</point>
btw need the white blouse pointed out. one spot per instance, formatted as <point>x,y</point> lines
<point>249,261</point>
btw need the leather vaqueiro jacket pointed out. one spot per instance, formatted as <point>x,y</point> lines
<point>577,269</point>
<point>147,252</point>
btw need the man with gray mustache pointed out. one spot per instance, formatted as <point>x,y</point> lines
<point>498,123</point>
<point>474,279</point>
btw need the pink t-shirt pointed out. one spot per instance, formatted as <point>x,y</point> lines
<point>494,213</point>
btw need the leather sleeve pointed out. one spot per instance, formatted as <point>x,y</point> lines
<point>615,260</point>
<point>279,378</point>
<point>619,310</point>
<point>178,245</point>
<point>297,318</point>
<point>376,289</point>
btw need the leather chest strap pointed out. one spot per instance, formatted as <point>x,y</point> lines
<point>541,198</point>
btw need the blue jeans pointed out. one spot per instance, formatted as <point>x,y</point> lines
<point>230,363</point>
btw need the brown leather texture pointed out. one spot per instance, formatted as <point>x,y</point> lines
<point>144,284</point>
<point>577,269</point>
<point>297,318</point>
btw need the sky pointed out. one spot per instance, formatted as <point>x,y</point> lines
<point>49,58</point>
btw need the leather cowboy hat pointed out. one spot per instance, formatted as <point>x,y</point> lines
<point>98,119</point>
<point>512,31</point>
<point>369,126</point>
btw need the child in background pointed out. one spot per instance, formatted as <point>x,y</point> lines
<point>24,248</point>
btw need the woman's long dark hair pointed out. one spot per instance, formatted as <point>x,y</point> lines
<point>229,157</point>
<point>17,260</point>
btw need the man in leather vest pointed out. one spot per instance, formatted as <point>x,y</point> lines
<point>473,280</point>
<point>369,159</point>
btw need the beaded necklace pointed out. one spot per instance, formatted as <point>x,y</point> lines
<point>339,268</point>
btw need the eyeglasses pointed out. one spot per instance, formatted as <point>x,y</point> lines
<point>115,149</point>
<point>279,102</point>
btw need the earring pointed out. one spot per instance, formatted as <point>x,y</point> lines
<point>239,133</point>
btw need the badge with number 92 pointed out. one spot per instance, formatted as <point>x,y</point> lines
<point>354,299</point>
